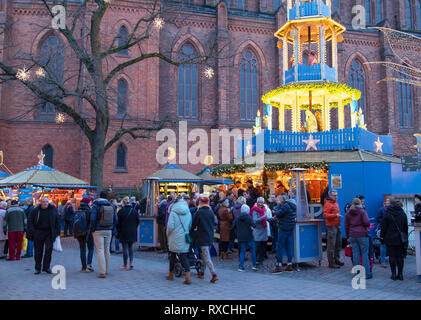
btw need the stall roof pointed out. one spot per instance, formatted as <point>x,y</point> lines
<point>43,176</point>
<point>3,175</point>
<point>208,178</point>
<point>325,156</point>
<point>173,173</point>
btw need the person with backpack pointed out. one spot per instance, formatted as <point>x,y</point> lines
<point>127,223</point>
<point>82,234</point>
<point>103,220</point>
<point>394,233</point>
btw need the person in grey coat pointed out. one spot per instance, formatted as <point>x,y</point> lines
<point>258,214</point>
<point>179,224</point>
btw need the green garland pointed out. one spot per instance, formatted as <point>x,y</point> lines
<point>333,88</point>
<point>241,168</point>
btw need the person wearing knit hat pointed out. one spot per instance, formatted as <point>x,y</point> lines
<point>86,200</point>
<point>243,226</point>
<point>418,208</point>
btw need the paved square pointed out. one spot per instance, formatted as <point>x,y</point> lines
<point>147,281</point>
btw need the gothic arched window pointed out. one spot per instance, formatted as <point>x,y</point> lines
<point>249,86</point>
<point>48,151</point>
<point>368,11</point>
<point>187,83</point>
<point>52,58</point>
<point>121,157</point>
<point>357,81</point>
<point>123,38</point>
<point>122,89</point>
<point>419,14</point>
<point>406,103</point>
<point>379,10</point>
<point>408,14</point>
<point>336,6</point>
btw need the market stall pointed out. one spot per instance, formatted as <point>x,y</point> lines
<point>211,182</point>
<point>167,180</point>
<point>42,181</point>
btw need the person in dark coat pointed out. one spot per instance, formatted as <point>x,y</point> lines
<point>379,220</point>
<point>160,220</point>
<point>30,246</point>
<point>203,233</point>
<point>253,194</point>
<point>127,223</point>
<point>69,213</point>
<point>394,227</point>
<point>43,229</point>
<point>225,226</point>
<point>357,224</point>
<point>285,215</point>
<point>418,208</point>
<point>86,241</point>
<point>243,226</point>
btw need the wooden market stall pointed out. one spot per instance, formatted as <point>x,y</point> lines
<point>167,180</point>
<point>40,181</point>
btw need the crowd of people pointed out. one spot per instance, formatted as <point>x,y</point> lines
<point>189,224</point>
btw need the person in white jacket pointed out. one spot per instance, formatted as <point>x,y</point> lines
<point>3,236</point>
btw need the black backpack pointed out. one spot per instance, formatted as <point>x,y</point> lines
<point>106,215</point>
<point>80,224</point>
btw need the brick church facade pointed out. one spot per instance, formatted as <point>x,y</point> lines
<point>154,89</point>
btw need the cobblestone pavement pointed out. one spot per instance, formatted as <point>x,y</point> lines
<point>147,281</point>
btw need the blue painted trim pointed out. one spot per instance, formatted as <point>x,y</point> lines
<point>40,167</point>
<point>419,278</point>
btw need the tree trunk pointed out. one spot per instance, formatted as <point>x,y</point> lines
<point>97,158</point>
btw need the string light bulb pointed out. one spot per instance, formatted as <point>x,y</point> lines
<point>23,74</point>
<point>159,22</point>
<point>40,73</point>
<point>60,118</point>
<point>209,73</point>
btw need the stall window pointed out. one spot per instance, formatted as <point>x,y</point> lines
<point>187,83</point>
<point>121,163</point>
<point>48,151</point>
<point>249,86</point>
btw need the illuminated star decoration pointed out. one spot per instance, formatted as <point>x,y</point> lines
<point>40,73</point>
<point>41,157</point>
<point>311,143</point>
<point>22,74</point>
<point>379,145</point>
<point>159,22</point>
<point>107,1</point>
<point>209,73</point>
<point>208,160</point>
<point>60,118</point>
<point>249,149</point>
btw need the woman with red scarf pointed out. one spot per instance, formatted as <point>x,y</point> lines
<point>260,232</point>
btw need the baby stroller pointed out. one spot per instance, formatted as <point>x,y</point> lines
<point>194,260</point>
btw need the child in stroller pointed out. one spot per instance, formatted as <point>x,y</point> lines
<point>194,260</point>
